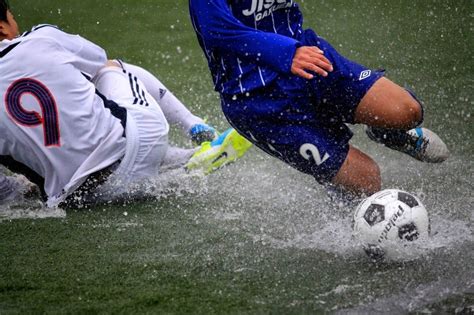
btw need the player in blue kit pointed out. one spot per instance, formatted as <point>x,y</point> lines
<point>288,91</point>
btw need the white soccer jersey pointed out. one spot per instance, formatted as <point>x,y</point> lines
<point>51,119</point>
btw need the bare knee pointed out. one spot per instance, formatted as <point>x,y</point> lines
<point>410,111</point>
<point>388,105</point>
<point>359,174</point>
<point>416,109</point>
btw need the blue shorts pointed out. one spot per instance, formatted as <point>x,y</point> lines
<point>303,122</point>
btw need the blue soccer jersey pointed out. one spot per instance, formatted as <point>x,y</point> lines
<point>250,46</point>
<point>247,42</point>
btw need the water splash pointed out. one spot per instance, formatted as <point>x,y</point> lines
<point>28,209</point>
<point>175,182</point>
<point>285,209</point>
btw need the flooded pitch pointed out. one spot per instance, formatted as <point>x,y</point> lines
<point>258,236</point>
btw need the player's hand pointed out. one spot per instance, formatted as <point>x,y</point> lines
<point>310,58</point>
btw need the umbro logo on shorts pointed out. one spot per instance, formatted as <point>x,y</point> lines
<point>365,74</point>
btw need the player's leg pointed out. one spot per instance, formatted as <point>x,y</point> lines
<point>302,138</point>
<point>387,105</point>
<point>174,110</point>
<point>360,95</point>
<point>393,114</point>
<point>147,145</point>
<point>209,156</point>
<point>359,174</point>
<point>212,155</point>
<point>176,157</point>
<point>146,126</point>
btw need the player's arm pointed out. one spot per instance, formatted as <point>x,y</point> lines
<point>87,57</point>
<point>220,30</point>
<point>17,186</point>
<point>9,188</point>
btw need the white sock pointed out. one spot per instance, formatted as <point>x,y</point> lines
<point>176,157</point>
<point>175,111</point>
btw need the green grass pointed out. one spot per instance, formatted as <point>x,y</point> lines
<point>214,250</point>
<point>158,259</point>
<point>171,264</point>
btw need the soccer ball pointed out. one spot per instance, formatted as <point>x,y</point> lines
<point>389,221</point>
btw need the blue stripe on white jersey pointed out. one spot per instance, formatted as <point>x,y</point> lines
<point>37,27</point>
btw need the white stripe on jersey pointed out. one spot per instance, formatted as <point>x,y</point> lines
<point>223,64</point>
<point>259,69</point>
<point>273,22</point>
<point>240,85</point>
<point>289,23</point>
<point>240,76</point>
<point>261,76</point>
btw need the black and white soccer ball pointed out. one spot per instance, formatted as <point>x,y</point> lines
<point>388,221</point>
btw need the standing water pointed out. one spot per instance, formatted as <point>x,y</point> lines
<point>258,235</point>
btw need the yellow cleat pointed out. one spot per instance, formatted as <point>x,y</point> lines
<point>227,148</point>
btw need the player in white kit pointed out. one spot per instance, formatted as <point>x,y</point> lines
<point>73,122</point>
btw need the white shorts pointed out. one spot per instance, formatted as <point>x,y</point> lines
<point>146,130</point>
